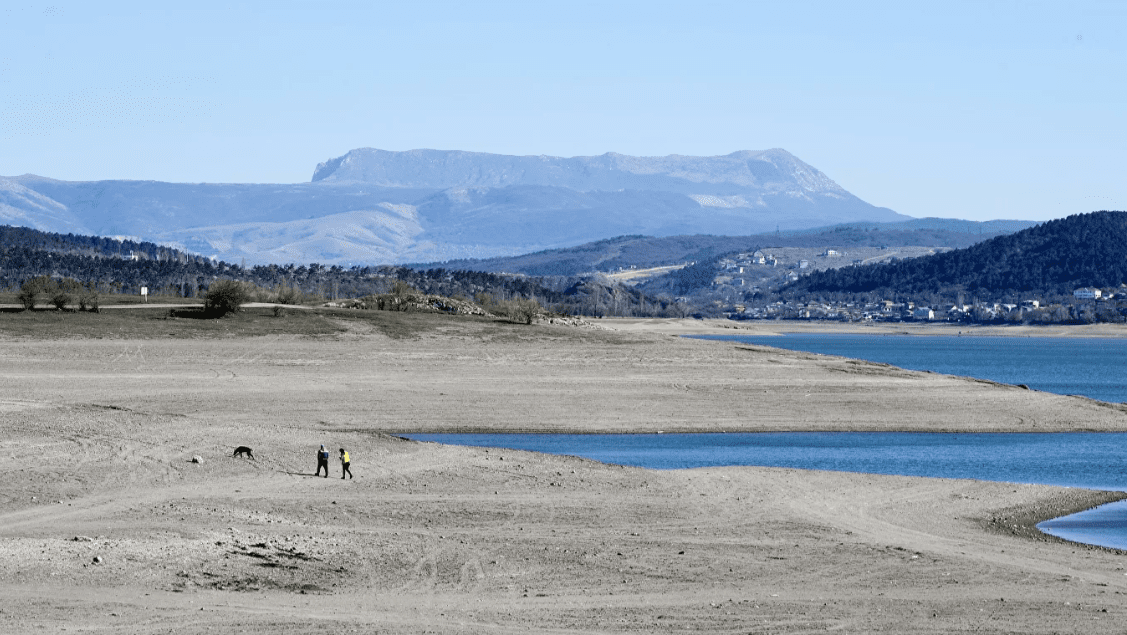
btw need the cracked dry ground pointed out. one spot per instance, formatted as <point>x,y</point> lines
<point>96,464</point>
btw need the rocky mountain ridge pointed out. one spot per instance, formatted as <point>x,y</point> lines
<point>772,170</point>
<point>374,206</point>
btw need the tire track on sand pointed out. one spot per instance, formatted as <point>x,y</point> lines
<point>878,515</point>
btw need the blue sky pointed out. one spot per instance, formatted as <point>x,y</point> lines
<point>974,110</point>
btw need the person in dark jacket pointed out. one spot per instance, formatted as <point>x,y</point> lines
<point>322,461</point>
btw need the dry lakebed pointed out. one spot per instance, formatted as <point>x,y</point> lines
<point>124,511</point>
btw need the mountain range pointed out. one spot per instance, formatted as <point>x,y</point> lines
<point>374,206</point>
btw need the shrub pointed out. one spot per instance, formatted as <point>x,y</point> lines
<point>484,300</point>
<point>89,298</point>
<point>524,310</point>
<point>225,297</point>
<point>60,299</point>
<point>31,289</point>
<point>401,297</point>
<point>288,295</point>
<point>63,292</point>
<point>521,311</point>
<point>402,290</point>
<point>279,310</point>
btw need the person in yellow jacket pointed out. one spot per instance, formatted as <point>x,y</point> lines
<point>344,463</point>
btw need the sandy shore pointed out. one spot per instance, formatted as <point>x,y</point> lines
<point>690,326</point>
<point>99,435</point>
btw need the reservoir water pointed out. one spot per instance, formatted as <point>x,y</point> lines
<point>1092,367</point>
<point>1090,460</point>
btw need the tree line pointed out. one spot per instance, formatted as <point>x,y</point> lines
<point>100,265</point>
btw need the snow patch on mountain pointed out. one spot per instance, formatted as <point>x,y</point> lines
<point>727,202</point>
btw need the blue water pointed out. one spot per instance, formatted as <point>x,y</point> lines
<point>1095,460</point>
<point>1105,526</point>
<point>1071,459</point>
<point>1092,367</point>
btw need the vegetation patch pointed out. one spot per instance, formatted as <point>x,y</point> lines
<point>162,323</point>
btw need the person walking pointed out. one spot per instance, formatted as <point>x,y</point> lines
<point>322,461</point>
<point>344,463</point>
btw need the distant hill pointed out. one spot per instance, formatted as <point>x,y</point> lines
<point>649,251</point>
<point>124,266</point>
<point>1054,257</point>
<point>373,206</point>
<point>94,246</point>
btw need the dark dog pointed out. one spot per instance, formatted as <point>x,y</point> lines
<point>242,449</point>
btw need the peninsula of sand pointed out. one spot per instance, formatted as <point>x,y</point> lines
<point>125,512</point>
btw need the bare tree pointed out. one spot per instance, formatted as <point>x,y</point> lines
<point>31,289</point>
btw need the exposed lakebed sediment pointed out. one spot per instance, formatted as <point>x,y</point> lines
<point>429,537</point>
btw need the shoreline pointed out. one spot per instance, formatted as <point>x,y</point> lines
<point>1021,521</point>
<point>719,326</point>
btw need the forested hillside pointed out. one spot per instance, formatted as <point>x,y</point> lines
<point>125,266</point>
<point>15,237</point>
<point>190,276</point>
<point>649,251</point>
<point>1054,257</point>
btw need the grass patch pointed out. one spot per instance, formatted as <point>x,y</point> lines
<point>405,324</point>
<point>110,299</point>
<point>152,323</point>
<point>164,323</point>
<point>409,325</point>
<point>140,322</point>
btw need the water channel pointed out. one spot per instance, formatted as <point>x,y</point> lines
<point>1069,459</point>
<point>1092,367</point>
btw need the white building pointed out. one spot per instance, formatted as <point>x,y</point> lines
<point>1087,293</point>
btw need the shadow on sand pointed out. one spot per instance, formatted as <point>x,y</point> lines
<point>300,474</point>
<point>194,314</point>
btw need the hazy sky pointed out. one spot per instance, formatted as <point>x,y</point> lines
<point>973,110</point>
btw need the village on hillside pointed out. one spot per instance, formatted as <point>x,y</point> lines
<point>769,268</point>
<point>745,282</point>
<point>1088,305</point>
